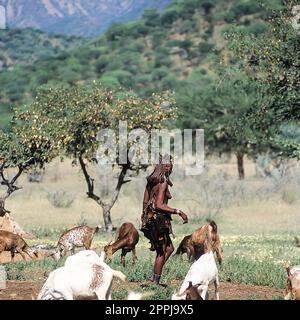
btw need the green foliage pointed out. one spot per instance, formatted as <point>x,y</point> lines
<point>70,118</point>
<point>241,270</point>
<point>24,46</point>
<point>217,105</point>
<point>136,54</point>
<point>275,56</point>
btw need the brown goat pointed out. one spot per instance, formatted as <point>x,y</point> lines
<point>293,283</point>
<point>14,243</point>
<point>126,239</point>
<point>206,238</point>
<point>186,246</point>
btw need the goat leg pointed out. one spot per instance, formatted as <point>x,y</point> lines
<point>134,257</point>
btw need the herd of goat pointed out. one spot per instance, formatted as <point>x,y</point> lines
<point>86,275</point>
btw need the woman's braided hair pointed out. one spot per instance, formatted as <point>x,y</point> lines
<point>158,174</point>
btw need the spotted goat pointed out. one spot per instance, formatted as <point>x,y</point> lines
<point>81,236</point>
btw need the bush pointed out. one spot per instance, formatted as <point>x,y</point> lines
<point>60,199</point>
<point>289,196</point>
<point>244,7</point>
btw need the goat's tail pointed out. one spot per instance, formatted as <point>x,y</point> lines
<point>213,225</point>
<point>297,241</point>
<point>119,275</point>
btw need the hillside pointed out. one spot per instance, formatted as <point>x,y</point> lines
<point>75,17</point>
<point>25,46</point>
<point>160,51</point>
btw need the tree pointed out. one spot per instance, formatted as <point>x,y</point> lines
<point>20,150</point>
<point>275,57</point>
<point>72,117</point>
<point>219,105</point>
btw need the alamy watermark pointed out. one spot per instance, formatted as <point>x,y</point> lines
<point>2,278</point>
<point>141,147</point>
<point>2,17</point>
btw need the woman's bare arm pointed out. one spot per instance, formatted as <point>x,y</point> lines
<point>160,205</point>
<point>146,198</point>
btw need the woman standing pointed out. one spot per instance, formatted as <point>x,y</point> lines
<point>156,218</point>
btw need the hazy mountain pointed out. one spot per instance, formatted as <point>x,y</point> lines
<point>75,17</point>
<point>25,46</point>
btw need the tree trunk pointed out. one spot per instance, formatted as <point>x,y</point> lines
<point>107,219</point>
<point>240,164</point>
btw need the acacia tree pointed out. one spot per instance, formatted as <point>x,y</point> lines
<point>219,104</point>
<point>20,150</point>
<point>275,56</point>
<point>72,117</point>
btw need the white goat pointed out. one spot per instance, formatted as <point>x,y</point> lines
<point>202,273</point>
<point>86,257</point>
<point>84,275</point>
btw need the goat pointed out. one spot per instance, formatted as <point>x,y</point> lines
<point>126,239</point>
<point>297,241</point>
<point>84,275</point>
<point>14,243</point>
<point>186,246</point>
<point>201,274</point>
<point>293,283</point>
<point>208,232</point>
<point>81,236</point>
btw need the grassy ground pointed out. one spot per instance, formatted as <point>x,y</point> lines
<point>257,220</point>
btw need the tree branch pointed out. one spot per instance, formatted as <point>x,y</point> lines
<point>121,181</point>
<point>90,184</point>
<point>10,185</point>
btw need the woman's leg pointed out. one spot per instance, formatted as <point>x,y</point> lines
<point>163,253</point>
<point>160,258</point>
<point>169,248</point>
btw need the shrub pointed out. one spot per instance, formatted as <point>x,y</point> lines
<point>60,199</point>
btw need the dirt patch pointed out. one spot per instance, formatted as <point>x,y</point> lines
<point>20,290</point>
<point>25,290</point>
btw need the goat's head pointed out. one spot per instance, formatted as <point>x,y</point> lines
<point>33,252</point>
<point>108,249</point>
<point>190,293</point>
<point>57,253</point>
